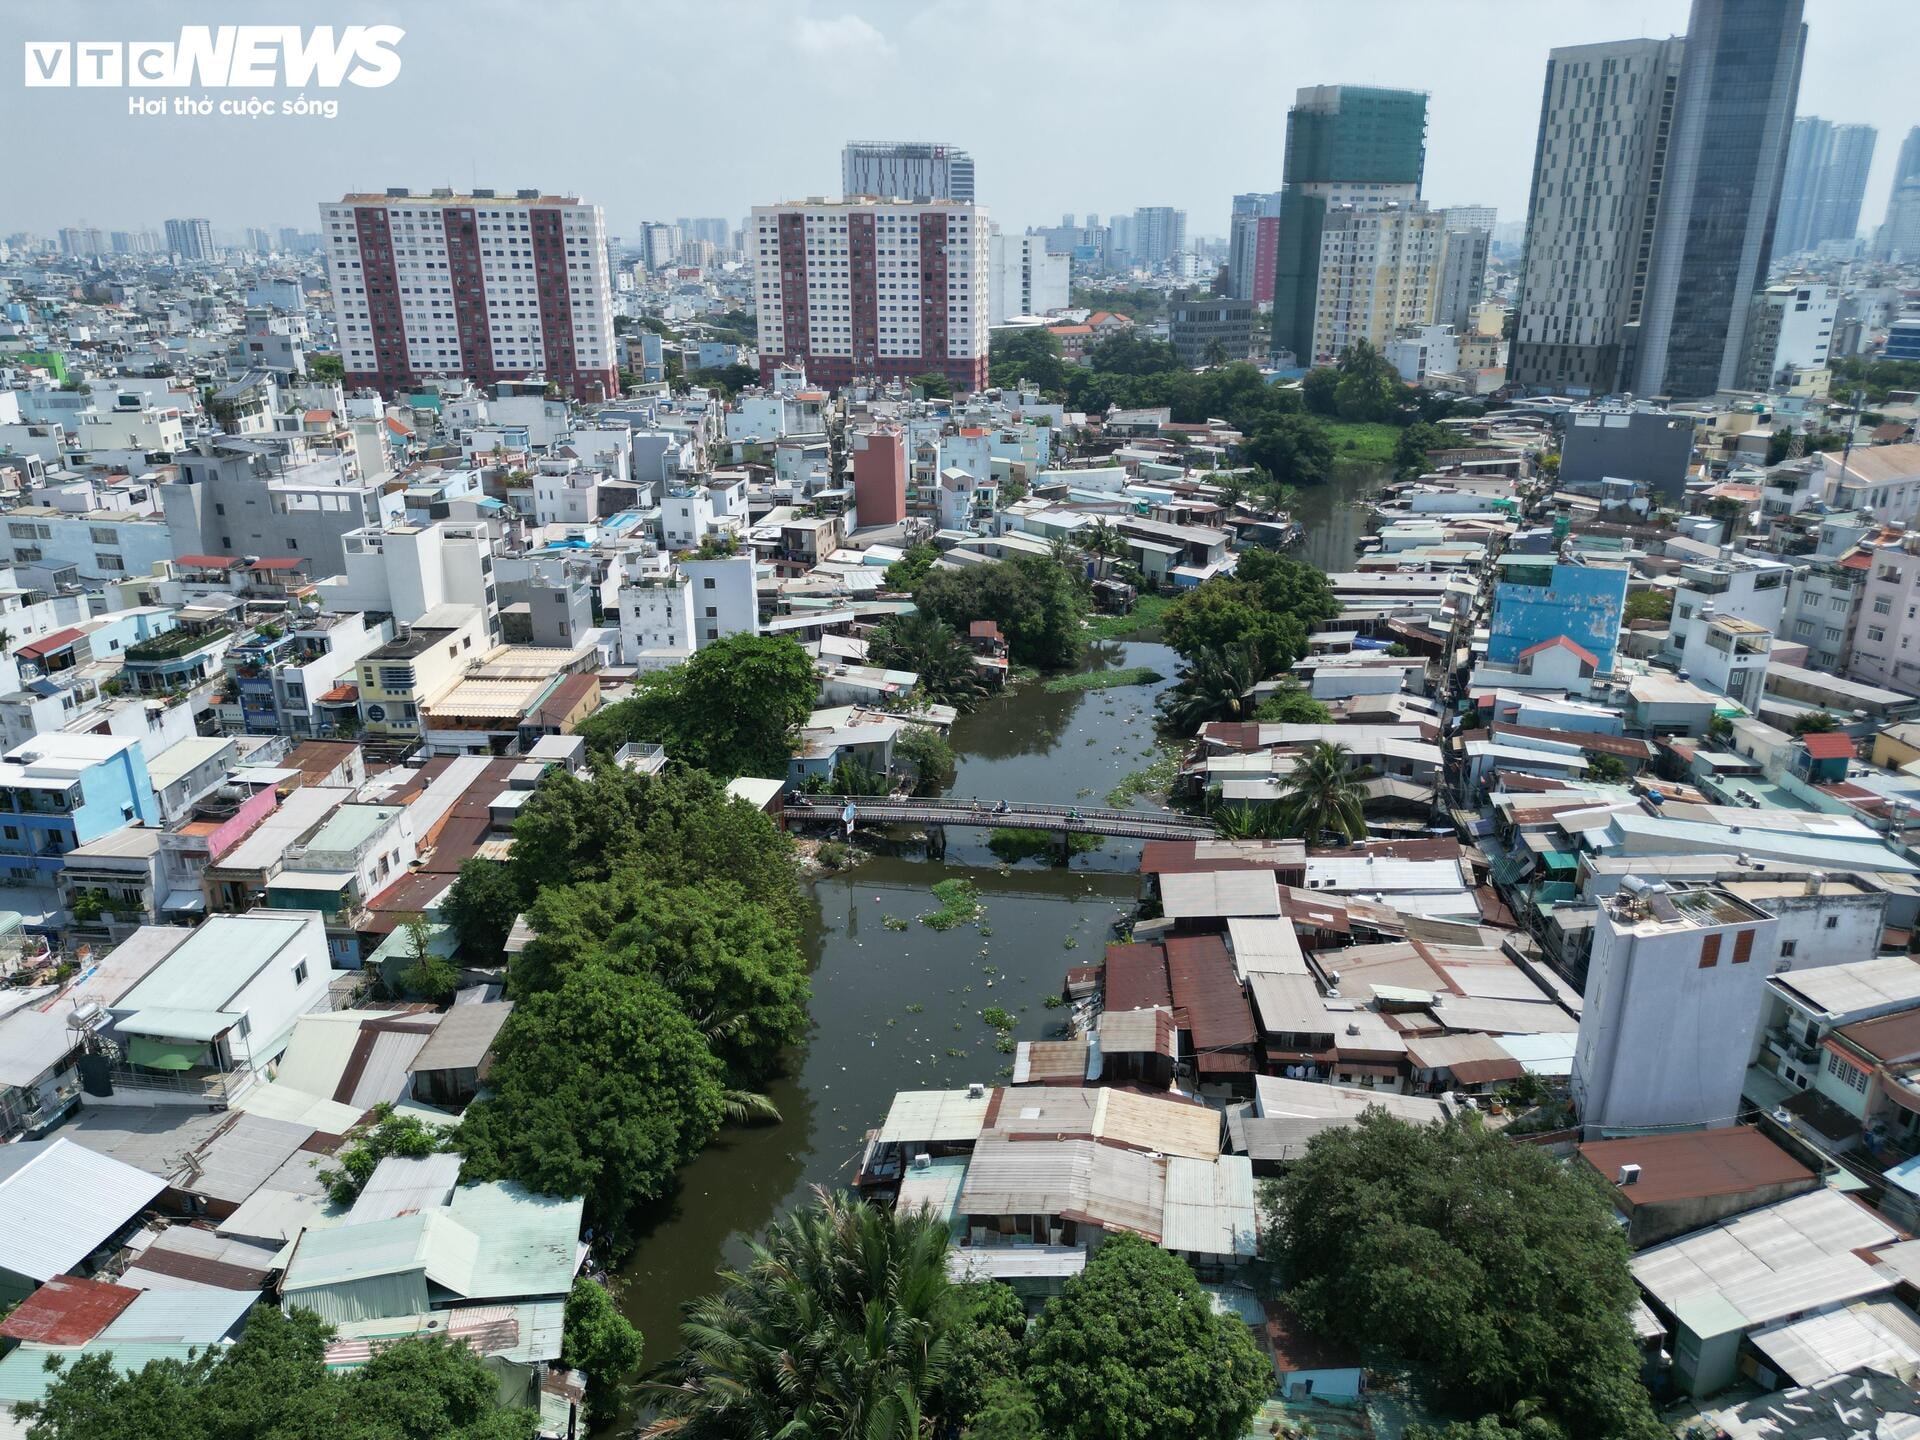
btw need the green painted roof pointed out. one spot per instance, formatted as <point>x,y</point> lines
<point>351,826</point>
<point>214,964</point>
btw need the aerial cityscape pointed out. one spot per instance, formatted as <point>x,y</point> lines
<point>922,813</point>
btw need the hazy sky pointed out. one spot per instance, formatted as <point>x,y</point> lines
<point>663,110</point>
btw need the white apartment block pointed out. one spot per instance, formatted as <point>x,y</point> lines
<point>1886,627</point>
<point>1025,278</point>
<point>1675,990</point>
<point>485,286</point>
<point>1790,330</point>
<point>1379,274</point>
<point>865,287</point>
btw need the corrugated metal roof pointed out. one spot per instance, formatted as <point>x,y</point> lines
<point>279,1215</point>
<point>1780,1260</point>
<point>1209,1207</point>
<point>1073,1179</point>
<point>212,966</point>
<point>949,1116</point>
<point>529,1243</point>
<point>1265,946</point>
<point>220,1156</point>
<point>1015,1262</point>
<point>60,1201</point>
<point>189,1317</point>
<point>405,1185</point>
<point>463,1037</point>
<point>1207,997</point>
<point>1212,894</point>
<point>67,1311</point>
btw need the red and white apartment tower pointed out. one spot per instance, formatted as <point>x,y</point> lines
<point>871,287</point>
<point>485,286</point>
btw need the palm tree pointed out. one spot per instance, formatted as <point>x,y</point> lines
<point>1215,686</point>
<point>1102,542</point>
<point>1252,822</point>
<point>933,650</point>
<point>1324,794</point>
<point>837,1326</point>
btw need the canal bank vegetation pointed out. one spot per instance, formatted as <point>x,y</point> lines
<point>844,1323</point>
<point>1037,603</point>
<point>1084,680</point>
<point>959,904</point>
<point>1010,845</point>
<point>664,982</point>
<point>1140,622</point>
<point>1155,778</point>
<point>1236,630</point>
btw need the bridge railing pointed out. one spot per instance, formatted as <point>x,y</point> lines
<point>967,805</point>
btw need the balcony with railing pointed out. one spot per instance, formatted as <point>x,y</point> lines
<point>197,1086</point>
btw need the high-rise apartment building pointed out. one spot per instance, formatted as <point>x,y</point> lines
<point>1251,250</point>
<point>906,170</point>
<point>1739,79</point>
<point>1598,171</point>
<point>1473,217</point>
<point>861,286</point>
<point>1025,278</point>
<point>191,239</point>
<point>1159,234</point>
<point>1347,145</point>
<point>1463,269</point>
<point>1823,184</point>
<point>486,286</point>
<point>1379,271</point>
<point>1899,234</point>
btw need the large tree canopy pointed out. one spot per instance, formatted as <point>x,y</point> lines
<point>601,1087</point>
<point>1132,1349</point>
<point>273,1384</point>
<point>737,971</point>
<point>1036,602</point>
<point>729,710</point>
<point>1496,1273</point>
<point>1270,601</point>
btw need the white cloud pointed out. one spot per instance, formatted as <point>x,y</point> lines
<point>843,38</point>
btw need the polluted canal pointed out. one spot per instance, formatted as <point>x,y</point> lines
<point>899,1008</point>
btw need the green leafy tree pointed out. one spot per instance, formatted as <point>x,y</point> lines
<point>929,754</point>
<point>427,975</point>
<point>1317,389</point>
<point>368,1144</point>
<point>905,573</point>
<point>600,1342</point>
<point>1497,1274</point>
<point>326,367</point>
<point>983,1351</point>
<point>1214,686</point>
<point>1293,449</point>
<point>1324,794</point>
<point>1030,354</point>
<point>1270,600</point>
<point>737,970</point>
<point>1606,767</point>
<point>731,709</point>
<point>1368,387</point>
<point>729,380</point>
<point>1649,605</point>
<point>679,828</point>
<point>602,1087</point>
<point>1410,451</point>
<point>933,385</point>
<point>933,650</point>
<point>273,1384</point>
<point>1815,722</point>
<point>1008,1412</point>
<point>838,1325</point>
<point>1035,601</point>
<point>1292,705</point>
<point>481,907</point>
<point>1125,353</point>
<point>1132,1349</point>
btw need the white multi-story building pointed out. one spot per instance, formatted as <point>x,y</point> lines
<point>1025,278</point>
<point>1886,627</point>
<point>1743,587</point>
<point>1423,351</point>
<point>668,610</point>
<point>1379,273</point>
<point>1675,990</point>
<point>1597,177</point>
<point>1883,480</point>
<point>408,570</point>
<point>486,286</point>
<point>1790,329</point>
<point>866,287</point>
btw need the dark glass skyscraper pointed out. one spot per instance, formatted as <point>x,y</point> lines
<point>1739,79</point>
<point>1346,145</point>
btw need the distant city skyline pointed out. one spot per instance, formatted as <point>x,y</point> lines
<point>860,67</point>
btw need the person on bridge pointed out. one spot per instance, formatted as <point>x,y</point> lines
<point>1001,808</point>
